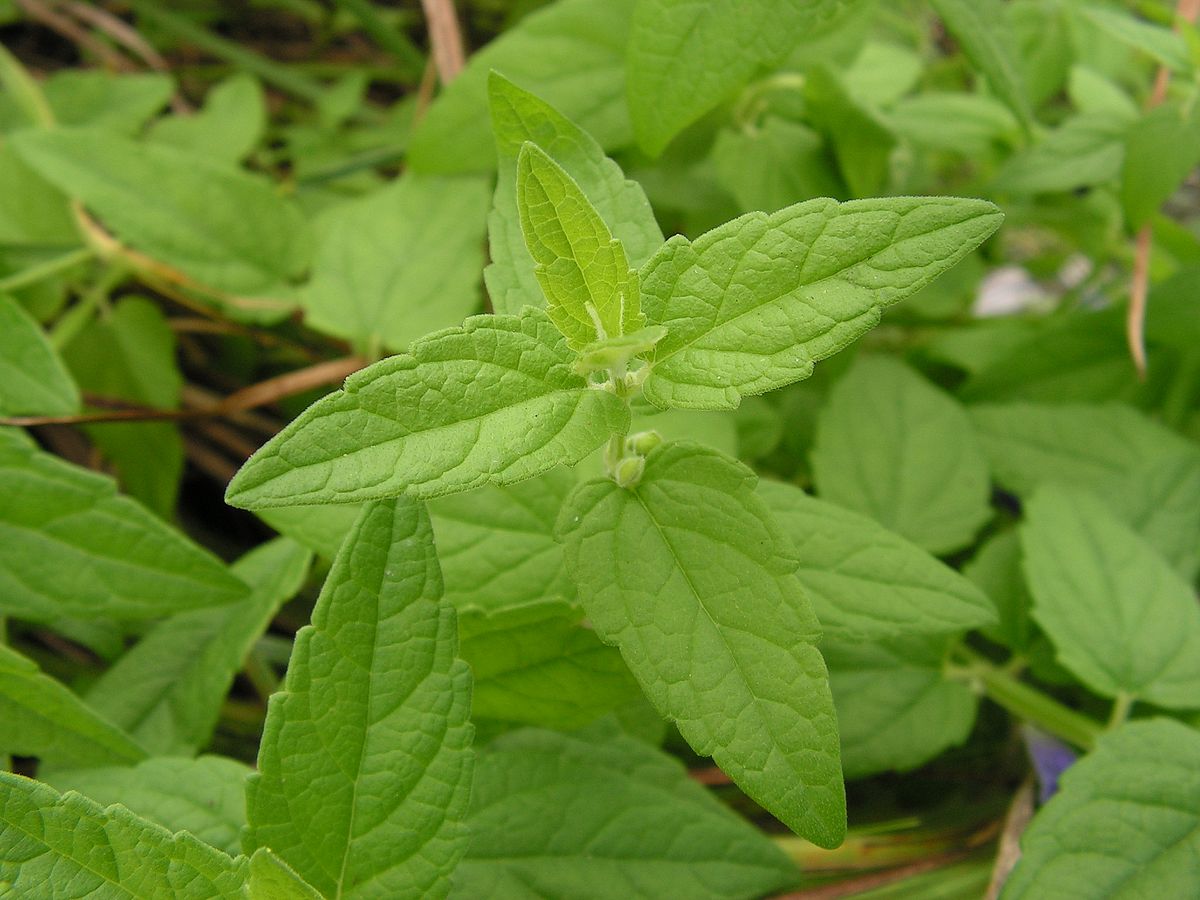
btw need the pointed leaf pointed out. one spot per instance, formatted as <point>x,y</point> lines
<point>273,879</point>
<point>33,380</point>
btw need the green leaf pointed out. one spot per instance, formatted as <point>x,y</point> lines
<point>33,380</point>
<point>893,446</point>
<point>81,550</point>
<point>1161,44</point>
<point>1093,92</point>
<point>689,575</point>
<point>591,292</point>
<point>1160,150</point>
<point>273,879</point>
<point>319,528</point>
<point>751,305</point>
<point>997,570</point>
<point>896,708</point>
<point>685,58</point>
<point>1120,617</point>
<point>1160,500</point>
<point>400,262</point>
<point>571,53</point>
<point>365,763</point>
<point>862,143</point>
<point>224,228</point>
<point>1125,822</point>
<point>43,718</point>
<point>882,72</point>
<point>65,846</point>
<point>519,117</point>
<point>983,32</point>
<point>868,583</point>
<point>777,164</point>
<point>168,690</point>
<point>227,128</point>
<point>1084,151</point>
<point>121,104</point>
<point>494,401</point>
<point>968,124</point>
<point>204,797</point>
<point>32,211</point>
<point>607,817</point>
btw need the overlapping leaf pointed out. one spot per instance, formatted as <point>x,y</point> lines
<point>33,379</point>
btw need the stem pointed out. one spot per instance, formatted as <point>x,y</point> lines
<point>1122,705</point>
<point>45,270</point>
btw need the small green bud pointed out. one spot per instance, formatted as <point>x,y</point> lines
<point>629,471</point>
<point>642,442</point>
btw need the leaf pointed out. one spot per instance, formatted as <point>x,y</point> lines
<point>1125,822</point>
<point>751,305</point>
<point>33,380</point>
<point>997,570</point>
<point>43,718</point>
<point>121,104</point>
<point>601,815</point>
<point>1094,92</point>
<point>571,53</point>
<point>1029,444</point>
<point>400,262</point>
<point>494,401</point>
<point>519,117</point>
<point>168,690</point>
<point>273,879</point>
<point>204,797</point>
<point>685,58</point>
<point>1161,44</point>
<point>82,550</point>
<point>896,708</point>
<point>227,128</point>
<point>690,576</point>
<point>1119,616</point>
<point>32,211</point>
<point>862,143</point>
<point>319,528</point>
<point>1084,151</point>
<point>224,228</point>
<point>882,72</point>
<point>982,30</point>
<point>591,292</point>
<point>365,762</point>
<point>968,124</point>
<point>868,583</point>
<point>65,846</point>
<point>1160,150</point>
<point>891,445</point>
<point>777,164</point>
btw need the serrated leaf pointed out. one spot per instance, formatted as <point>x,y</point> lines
<point>684,58</point>
<point>689,575</point>
<point>1120,617</point>
<point>204,797</point>
<point>861,142</point>
<point>494,401</point>
<point>1125,822</point>
<point>895,447</point>
<point>168,690</point>
<point>365,762</point>
<point>33,379</point>
<point>591,293</point>
<point>83,551</point>
<point>270,878</point>
<point>607,817</point>
<point>66,846</point>
<point>519,116</point>
<point>866,582</point>
<point>751,305</point>
<point>43,718</point>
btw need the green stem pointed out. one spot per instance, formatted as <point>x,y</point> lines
<point>75,319</point>
<point>258,670</point>
<point>45,270</point>
<point>394,42</point>
<point>1122,706</point>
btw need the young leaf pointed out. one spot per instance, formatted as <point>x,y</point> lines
<point>168,690</point>
<point>81,550</point>
<point>690,576</point>
<point>868,583</point>
<point>751,305</point>
<point>519,117</point>
<point>493,401</point>
<point>204,797</point>
<point>893,446</point>
<point>33,380</point>
<point>65,846</point>
<point>365,763</point>
<point>1120,617</point>
<point>591,292</point>
<point>1125,822</point>
<point>604,816</point>
<point>43,718</point>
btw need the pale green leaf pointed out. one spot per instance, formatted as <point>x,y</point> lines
<point>1093,92</point>
<point>689,575</point>
<point>319,528</point>
<point>973,125</point>
<point>43,718</point>
<point>365,762</point>
<point>882,73</point>
<point>591,293</point>
<point>227,127</point>
<point>70,546</point>
<point>493,401</point>
<point>600,816</point>
<point>1084,151</point>
<point>868,583</point>
<point>168,690</point>
<point>1125,823</point>
<point>519,117</point>
<point>118,103</point>
<point>861,141</point>
<point>774,165</point>
<point>33,379</point>
<point>32,211</point>
<point>997,570</point>
<point>273,879</point>
<point>204,797</point>
<point>895,447</point>
<point>1160,151</point>
<point>400,262</point>
<point>1120,617</point>
<point>1161,44</point>
<point>751,305</point>
<point>65,846</point>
